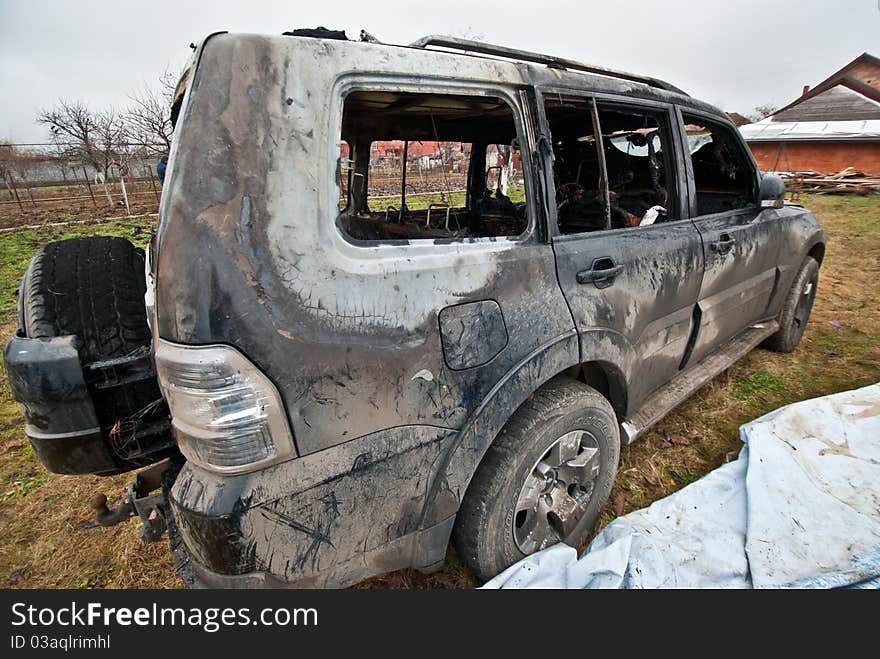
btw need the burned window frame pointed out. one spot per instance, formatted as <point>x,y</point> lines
<point>674,162</point>
<point>725,123</point>
<point>340,177</point>
<point>515,97</point>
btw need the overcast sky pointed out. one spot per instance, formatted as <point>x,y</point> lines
<point>734,53</point>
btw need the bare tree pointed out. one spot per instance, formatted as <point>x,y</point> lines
<point>59,155</point>
<point>148,117</point>
<point>94,138</point>
<point>762,111</point>
<point>17,163</point>
<point>73,127</point>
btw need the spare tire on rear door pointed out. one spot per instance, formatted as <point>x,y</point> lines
<point>93,289</point>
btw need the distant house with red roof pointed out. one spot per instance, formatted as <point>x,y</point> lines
<point>832,126</point>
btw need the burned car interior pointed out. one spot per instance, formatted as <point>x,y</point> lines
<point>397,145</point>
<point>632,153</point>
<point>722,175</point>
<point>398,148</point>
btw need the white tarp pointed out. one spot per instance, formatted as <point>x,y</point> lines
<point>800,507</point>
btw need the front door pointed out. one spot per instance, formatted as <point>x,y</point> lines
<point>628,263</point>
<point>739,243</point>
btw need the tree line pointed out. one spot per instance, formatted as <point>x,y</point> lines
<point>100,138</point>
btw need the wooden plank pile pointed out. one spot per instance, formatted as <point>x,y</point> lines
<point>846,181</point>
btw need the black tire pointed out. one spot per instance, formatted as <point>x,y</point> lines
<point>486,524</point>
<point>796,308</point>
<point>92,288</point>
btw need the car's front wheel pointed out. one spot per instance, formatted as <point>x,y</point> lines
<point>796,308</point>
<point>544,480</point>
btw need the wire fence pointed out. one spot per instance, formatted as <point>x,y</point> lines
<point>46,180</point>
<point>53,175</point>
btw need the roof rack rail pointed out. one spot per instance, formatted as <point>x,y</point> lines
<point>457,43</point>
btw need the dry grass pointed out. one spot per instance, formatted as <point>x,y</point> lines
<point>43,542</point>
<point>840,351</point>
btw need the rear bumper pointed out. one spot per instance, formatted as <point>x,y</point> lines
<point>60,421</point>
<point>327,520</point>
<point>369,564</point>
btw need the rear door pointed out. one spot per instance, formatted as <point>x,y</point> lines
<point>631,285</point>
<point>740,247</point>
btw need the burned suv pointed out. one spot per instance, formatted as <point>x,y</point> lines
<point>402,295</point>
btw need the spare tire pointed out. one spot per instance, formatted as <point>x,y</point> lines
<point>93,289</point>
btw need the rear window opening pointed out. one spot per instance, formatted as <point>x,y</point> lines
<point>429,166</point>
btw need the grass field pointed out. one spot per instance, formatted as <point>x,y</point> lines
<point>43,542</point>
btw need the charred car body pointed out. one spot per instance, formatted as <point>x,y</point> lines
<point>353,380</point>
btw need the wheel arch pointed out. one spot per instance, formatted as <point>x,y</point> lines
<point>817,251</point>
<point>561,356</point>
<point>608,379</point>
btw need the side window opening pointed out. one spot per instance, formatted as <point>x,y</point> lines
<point>723,176</point>
<point>635,156</point>
<point>429,166</point>
<point>580,194</point>
<point>617,181</point>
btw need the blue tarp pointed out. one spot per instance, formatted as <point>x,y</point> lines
<point>799,508</point>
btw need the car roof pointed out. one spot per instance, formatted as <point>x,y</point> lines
<point>452,57</point>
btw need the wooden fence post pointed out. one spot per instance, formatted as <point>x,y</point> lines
<point>124,193</point>
<point>152,181</point>
<point>27,187</point>
<point>89,186</point>
<point>15,190</point>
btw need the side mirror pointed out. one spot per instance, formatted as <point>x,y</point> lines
<point>772,191</point>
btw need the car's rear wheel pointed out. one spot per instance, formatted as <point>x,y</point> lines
<point>544,480</point>
<point>796,308</point>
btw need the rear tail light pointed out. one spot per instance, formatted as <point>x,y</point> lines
<point>228,417</point>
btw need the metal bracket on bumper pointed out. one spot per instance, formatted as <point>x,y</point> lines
<point>138,501</point>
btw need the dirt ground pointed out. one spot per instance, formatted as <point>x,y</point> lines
<point>43,542</point>
<point>71,202</point>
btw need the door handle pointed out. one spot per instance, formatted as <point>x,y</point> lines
<point>724,245</point>
<point>603,276</point>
